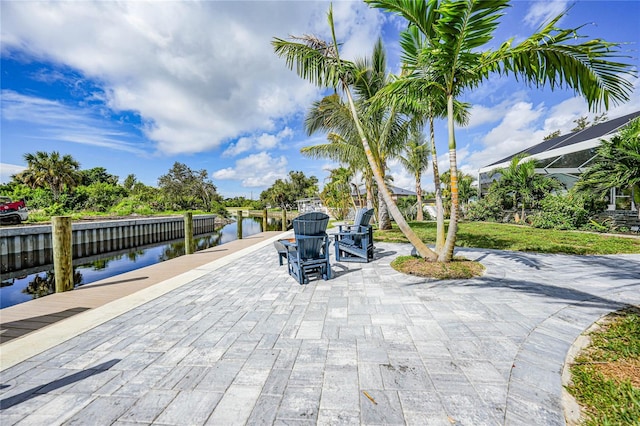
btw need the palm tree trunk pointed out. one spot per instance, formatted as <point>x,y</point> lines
<point>446,255</point>
<point>384,221</point>
<point>438,185</point>
<point>413,238</point>
<point>419,215</point>
<point>353,200</point>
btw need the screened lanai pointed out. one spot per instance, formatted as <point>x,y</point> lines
<point>566,157</point>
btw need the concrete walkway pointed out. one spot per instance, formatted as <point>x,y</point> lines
<point>24,318</point>
<point>240,342</point>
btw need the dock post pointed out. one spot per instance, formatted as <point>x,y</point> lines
<point>265,220</point>
<point>284,219</point>
<point>189,245</point>
<point>62,255</point>
<point>239,224</point>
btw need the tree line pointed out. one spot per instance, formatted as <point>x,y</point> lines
<point>53,184</point>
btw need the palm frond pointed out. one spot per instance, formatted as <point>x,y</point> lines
<point>313,60</point>
<point>550,57</point>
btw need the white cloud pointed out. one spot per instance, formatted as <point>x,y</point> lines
<point>543,11</point>
<point>255,171</point>
<point>263,142</point>
<point>60,122</point>
<point>199,74</point>
<point>518,129</point>
<point>8,170</point>
<point>480,114</point>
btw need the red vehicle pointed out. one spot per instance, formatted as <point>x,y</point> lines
<point>12,212</point>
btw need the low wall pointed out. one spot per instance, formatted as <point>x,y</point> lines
<point>26,246</point>
<point>627,218</point>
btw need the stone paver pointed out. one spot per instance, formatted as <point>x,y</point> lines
<point>246,344</point>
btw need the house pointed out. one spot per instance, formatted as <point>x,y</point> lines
<point>566,157</point>
<point>396,194</point>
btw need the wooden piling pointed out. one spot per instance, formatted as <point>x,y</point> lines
<point>189,242</point>
<point>62,255</point>
<point>239,224</point>
<point>284,219</point>
<point>265,221</point>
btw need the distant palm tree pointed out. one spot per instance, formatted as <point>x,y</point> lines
<point>521,182</point>
<point>465,187</point>
<point>617,163</point>
<point>454,57</point>
<point>51,171</point>
<point>336,193</point>
<point>415,161</point>
<point>343,144</point>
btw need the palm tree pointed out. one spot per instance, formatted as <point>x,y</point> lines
<point>333,115</point>
<point>385,128</point>
<point>336,193</point>
<point>424,106</point>
<point>521,182</point>
<point>51,171</point>
<point>454,58</point>
<point>416,161</point>
<point>320,63</point>
<point>465,189</point>
<point>617,163</point>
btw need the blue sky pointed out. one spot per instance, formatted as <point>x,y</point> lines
<point>136,86</point>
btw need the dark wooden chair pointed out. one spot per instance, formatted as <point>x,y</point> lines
<point>354,243</point>
<point>309,254</point>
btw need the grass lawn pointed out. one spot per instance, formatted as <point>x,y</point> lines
<point>606,375</point>
<point>520,238</point>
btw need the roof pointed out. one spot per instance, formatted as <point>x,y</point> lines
<point>394,191</point>
<point>400,191</point>
<point>594,132</point>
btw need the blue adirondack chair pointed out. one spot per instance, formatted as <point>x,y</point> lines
<point>309,254</point>
<point>354,243</point>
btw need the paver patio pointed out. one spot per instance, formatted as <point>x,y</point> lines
<point>244,343</point>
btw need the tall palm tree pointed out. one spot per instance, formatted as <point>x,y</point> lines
<point>425,106</point>
<point>617,163</point>
<point>455,57</point>
<point>51,171</point>
<point>416,161</point>
<point>320,63</point>
<point>385,128</point>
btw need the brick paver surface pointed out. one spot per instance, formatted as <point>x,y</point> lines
<point>246,344</point>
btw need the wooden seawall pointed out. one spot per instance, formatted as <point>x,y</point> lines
<point>27,246</point>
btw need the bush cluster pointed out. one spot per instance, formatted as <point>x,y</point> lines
<point>562,212</point>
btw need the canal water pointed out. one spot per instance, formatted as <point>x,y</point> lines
<point>24,288</point>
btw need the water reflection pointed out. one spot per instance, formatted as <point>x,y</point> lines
<point>27,286</point>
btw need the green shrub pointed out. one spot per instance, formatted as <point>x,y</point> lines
<point>98,197</point>
<point>606,224</point>
<point>488,208</point>
<point>563,212</point>
<point>56,209</point>
<point>131,205</point>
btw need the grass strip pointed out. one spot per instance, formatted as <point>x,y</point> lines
<point>501,236</point>
<point>606,375</point>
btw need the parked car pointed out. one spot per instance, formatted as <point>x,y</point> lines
<point>12,212</point>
